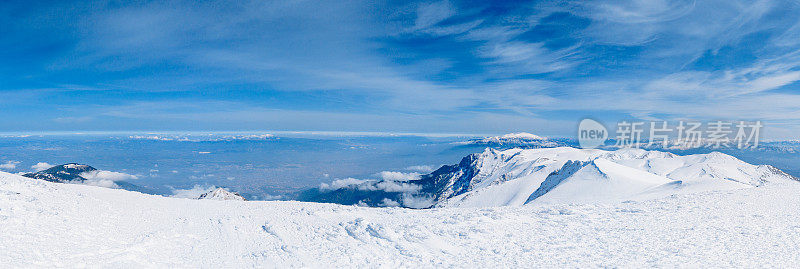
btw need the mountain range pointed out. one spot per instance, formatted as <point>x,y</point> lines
<point>518,176</point>
<point>518,140</point>
<point>556,175</point>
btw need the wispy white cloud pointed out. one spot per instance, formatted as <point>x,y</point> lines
<point>415,66</point>
<point>41,166</point>
<point>386,202</point>
<point>9,165</point>
<point>421,168</point>
<point>342,183</point>
<point>107,175</point>
<point>432,13</point>
<point>394,186</point>
<point>371,185</point>
<point>416,201</point>
<point>103,178</point>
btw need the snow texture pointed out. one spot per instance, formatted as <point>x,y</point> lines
<point>44,224</point>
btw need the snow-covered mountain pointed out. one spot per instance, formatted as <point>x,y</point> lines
<point>563,175</point>
<point>74,173</point>
<point>44,224</point>
<point>62,173</point>
<point>779,146</point>
<point>513,137</point>
<point>221,194</point>
<point>523,140</point>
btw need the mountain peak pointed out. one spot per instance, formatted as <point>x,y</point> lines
<point>526,140</point>
<point>522,135</point>
<point>221,194</point>
<point>62,173</point>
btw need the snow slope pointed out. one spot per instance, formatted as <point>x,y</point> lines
<point>597,181</point>
<point>45,224</point>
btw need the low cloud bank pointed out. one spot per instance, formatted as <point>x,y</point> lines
<point>371,185</point>
<point>400,183</point>
<point>9,165</point>
<point>106,175</point>
<point>105,178</point>
<point>192,193</point>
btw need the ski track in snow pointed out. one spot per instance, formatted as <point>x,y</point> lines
<point>46,224</point>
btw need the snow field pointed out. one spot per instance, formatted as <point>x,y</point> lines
<point>61,225</point>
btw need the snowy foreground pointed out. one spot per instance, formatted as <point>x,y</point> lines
<point>45,224</point>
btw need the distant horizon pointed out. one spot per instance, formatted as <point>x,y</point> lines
<point>319,133</point>
<point>215,132</point>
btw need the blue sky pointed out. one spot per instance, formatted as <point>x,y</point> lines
<point>432,66</point>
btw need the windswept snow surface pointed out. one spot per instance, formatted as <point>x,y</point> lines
<point>45,224</point>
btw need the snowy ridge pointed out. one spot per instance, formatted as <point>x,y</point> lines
<point>784,146</point>
<point>555,179</point>
<point>570,175</point>
<point>597,180</point>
